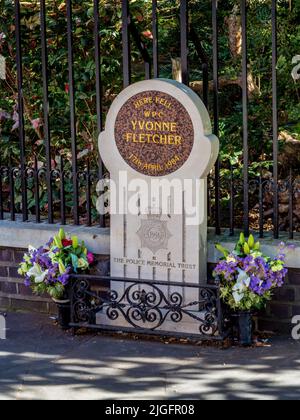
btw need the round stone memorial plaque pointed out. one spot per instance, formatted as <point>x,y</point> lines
<point>154,133</point>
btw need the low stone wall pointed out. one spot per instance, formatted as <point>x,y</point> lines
<point>14,238</point>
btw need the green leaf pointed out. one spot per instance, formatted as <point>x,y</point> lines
<point>257,246</point>
<point>58,242</point>
<point>75,242</point>
<point>223,250</point>
<point>251,241</point>
<point>242,239</point>
<point>74,262</point>
<point>246,249</point>
<point>62,268</point>
<point>61,234</point>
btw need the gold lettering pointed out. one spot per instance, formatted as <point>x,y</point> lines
<point>173,127</point>
<point>163,139</point>
<point>156,139</point>
<point>134,138</point>
<point>141,102</point>
<point>158,126</point>
<point>178,140</point>
<point>141,125</point>
<point>149,126</point>
<point>171,140</point>
<point>165,126</point>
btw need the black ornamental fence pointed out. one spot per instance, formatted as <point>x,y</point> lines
<point>39,183</point>
<point>145,307</point>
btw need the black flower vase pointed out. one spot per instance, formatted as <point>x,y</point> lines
<point>244,324</point>
<point>64,312</point>
<point>64,316</point>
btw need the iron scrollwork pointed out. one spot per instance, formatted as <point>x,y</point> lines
<point>146,306</point>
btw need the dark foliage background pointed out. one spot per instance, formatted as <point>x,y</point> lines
<point>260,86</point>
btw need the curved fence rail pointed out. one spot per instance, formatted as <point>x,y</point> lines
<point>147,307</point>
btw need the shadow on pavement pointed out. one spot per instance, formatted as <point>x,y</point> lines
<point>38,361</point>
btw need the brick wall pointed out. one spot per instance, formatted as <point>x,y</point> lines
<point>284,306</point>
<point>13,293</point>
<point>15,296</point>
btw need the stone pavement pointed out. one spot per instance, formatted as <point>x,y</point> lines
<point>38,361</point>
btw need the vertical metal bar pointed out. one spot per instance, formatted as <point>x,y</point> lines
<point>11,171</point>
<point>275,117</point>
<point>245,115</point>
<point>231,201</point>
<point>72,111</point>
<point>98,87</point>
<point>88,195</point>
<point>98,67</point>
<point>205,77</point>
<point>155,39</point>
<point>62,192</point>
<point>21,109</point>
<point>147,70</point>
<point>141,47</point>
<point>216,110</point>
<point>46,109</point>
<point>126,44</point>
<point>184,24</point>
<point>36,191</point>
<point>261,205</point>
<point>291,205</point>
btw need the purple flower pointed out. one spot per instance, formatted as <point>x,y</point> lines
<point>50,242</point>
<point>27,282</point>
<point>64,278</point>
<point>226,269</point>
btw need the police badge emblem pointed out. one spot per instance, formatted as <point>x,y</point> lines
<point>154,233</point>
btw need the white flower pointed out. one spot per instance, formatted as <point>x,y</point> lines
<point>37,274</point>
<point>237,296</point>
<point>243,278</point>
<point>241,286</point>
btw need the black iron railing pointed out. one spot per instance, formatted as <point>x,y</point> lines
<point>69,186</point>
<point>147,307</point>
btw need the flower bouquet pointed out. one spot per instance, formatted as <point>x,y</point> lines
<point>48,268</point>
<point>248,278</point>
